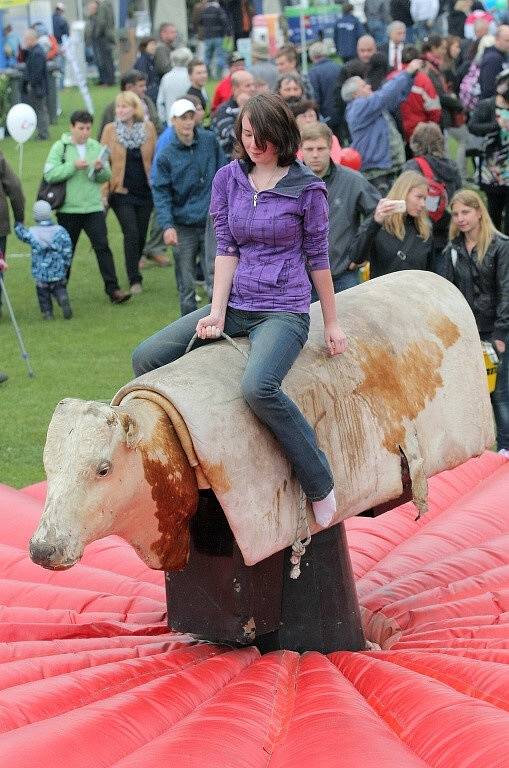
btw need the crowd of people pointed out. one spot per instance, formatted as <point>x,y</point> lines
<point>253,192</point>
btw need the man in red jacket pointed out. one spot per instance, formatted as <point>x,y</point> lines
<point>422,104</point>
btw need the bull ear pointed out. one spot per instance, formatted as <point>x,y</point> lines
<point>131,429</point>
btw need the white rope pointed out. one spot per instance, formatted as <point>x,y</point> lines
<point>224,336</point>
<point>301,542</point>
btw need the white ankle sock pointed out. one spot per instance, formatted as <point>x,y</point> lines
<point>324,510</point>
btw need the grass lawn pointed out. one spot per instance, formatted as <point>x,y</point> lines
<point>87,356</point>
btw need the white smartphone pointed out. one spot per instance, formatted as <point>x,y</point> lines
<point>399,206</point>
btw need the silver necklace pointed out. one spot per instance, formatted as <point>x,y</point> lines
<point>265,186</point>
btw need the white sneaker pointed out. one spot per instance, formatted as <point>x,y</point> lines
<point>324,510</point>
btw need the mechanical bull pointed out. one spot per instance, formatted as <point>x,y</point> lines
<point>412,384</point>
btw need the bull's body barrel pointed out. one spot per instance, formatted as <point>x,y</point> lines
<point>221,599</point>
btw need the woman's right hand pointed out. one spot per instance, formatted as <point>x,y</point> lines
<point>385,208</point>
<point>210,327</point>
<point>80,165</point>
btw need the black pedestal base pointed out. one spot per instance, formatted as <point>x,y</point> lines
<point>220,599</point>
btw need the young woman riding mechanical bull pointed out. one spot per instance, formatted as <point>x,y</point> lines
<point>270,216</point>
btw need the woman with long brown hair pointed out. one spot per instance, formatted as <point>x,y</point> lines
<point>477,262</point>
<point>398,234</point>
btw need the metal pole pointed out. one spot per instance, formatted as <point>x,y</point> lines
<point>303,41</point>
<point>24,353</point>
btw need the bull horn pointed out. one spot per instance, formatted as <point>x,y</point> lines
<point>130,427</point>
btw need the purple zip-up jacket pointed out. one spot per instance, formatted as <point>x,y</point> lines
<point>278,236</point>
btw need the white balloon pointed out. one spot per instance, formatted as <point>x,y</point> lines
<point>21,122</point>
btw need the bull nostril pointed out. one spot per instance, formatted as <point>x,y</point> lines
<point>41,553</point>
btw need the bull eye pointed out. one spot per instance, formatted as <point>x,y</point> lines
<point>103,469</point>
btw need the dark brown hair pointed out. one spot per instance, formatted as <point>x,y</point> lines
<point>427,139</point>
<point>144,42</point>
<point>299,107</point>
<point>432,42</point>
<point>193,99</point>
<point>273,122</point>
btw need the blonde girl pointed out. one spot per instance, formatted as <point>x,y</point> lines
<point>477,262</point>
<point>131,139</point>
<point>398,233</point>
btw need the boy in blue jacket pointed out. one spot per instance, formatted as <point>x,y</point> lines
<point>51,259</point>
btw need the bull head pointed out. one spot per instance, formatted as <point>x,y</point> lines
<point>114,470</point>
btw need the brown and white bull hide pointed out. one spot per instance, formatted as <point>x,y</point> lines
<point>115,470</point>
<point>412,381</point>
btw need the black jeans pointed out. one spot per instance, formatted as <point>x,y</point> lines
<point>498,207</point>
<point>133,220</point>
<point>103,54</point>
<point>40,106</point>
<point>94,225</point>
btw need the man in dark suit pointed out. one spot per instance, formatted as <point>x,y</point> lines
<point>393,50</point>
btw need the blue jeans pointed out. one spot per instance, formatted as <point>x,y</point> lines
<point>215,45</point>
<point>210,250</point>
<point>276,340</point>
<point>190,248</point>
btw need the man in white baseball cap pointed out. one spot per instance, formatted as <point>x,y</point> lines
<point>181,185</point>
<point>180,107</point>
